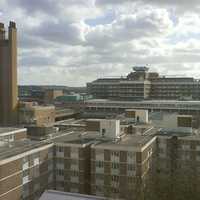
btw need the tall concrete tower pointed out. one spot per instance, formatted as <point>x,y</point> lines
<point>8,76</point>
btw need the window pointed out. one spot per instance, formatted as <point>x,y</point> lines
<point>115,153</point>
<point>115,166</point>
<point>150,152</point>
<point>131,154</point>
<point>103,131</point>
<point>60,163</point>
<point>25,159</point>
<point>60,172</point>
<point>60,149</point>
<point>74,177</point>
<point>100,164</point>
<point>115,178</point>
<point>25,173</point>
<point>130,167</point>
<point>115,190</point>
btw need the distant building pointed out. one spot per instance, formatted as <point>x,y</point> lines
<point>144,85</point>
<point>51,94</point>
<point>103,107</point>
<point>31,114</point>
<point>8,75</point>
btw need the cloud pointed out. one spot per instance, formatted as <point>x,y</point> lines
<point>127,27</point>
<point>75,41</point>
<point>184,4</point>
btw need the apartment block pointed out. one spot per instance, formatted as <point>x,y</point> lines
<point>119,168</point>
<point>102,159</point>
<point>72,157</point>
<point>25,170</point>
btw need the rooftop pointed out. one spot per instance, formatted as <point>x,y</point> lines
<point>11,149</point>
<point>144,101</point>
<point>79,138</point>
<point>10,130</point>
<point>57,195</point>
<point>127,142</point>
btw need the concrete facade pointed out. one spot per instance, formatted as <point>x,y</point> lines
<point>144,85</point>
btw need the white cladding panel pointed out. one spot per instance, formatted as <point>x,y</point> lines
<point>142,116</point>
<point>110,128</point>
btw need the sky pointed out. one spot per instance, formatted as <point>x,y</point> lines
<point>72,42</point>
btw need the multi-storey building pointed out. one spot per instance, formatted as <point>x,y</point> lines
<point>176,165</point>
<point>141,85</point>
<point>119,168</point>
<point>72,167</point>
<point>26,169</point>
<point>104,159</point>
<point>8,75</point>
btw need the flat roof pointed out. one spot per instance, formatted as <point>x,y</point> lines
<point>8,150</point>
<point>80,138</point>
<point>192,136</point>
<point>142,102</point>
<point>128,142</point>
<point>84,138</point>
<point>10,130</point>
<point>58,195</point>
<point>15,148</point>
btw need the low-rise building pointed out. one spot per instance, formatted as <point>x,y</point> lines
<point>31,113</point>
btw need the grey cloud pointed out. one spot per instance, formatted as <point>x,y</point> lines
<point>130,27</point>
<point>55,44</point>
<point>178,3</point>
<point>38,61</point>
<point>61,32</point>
